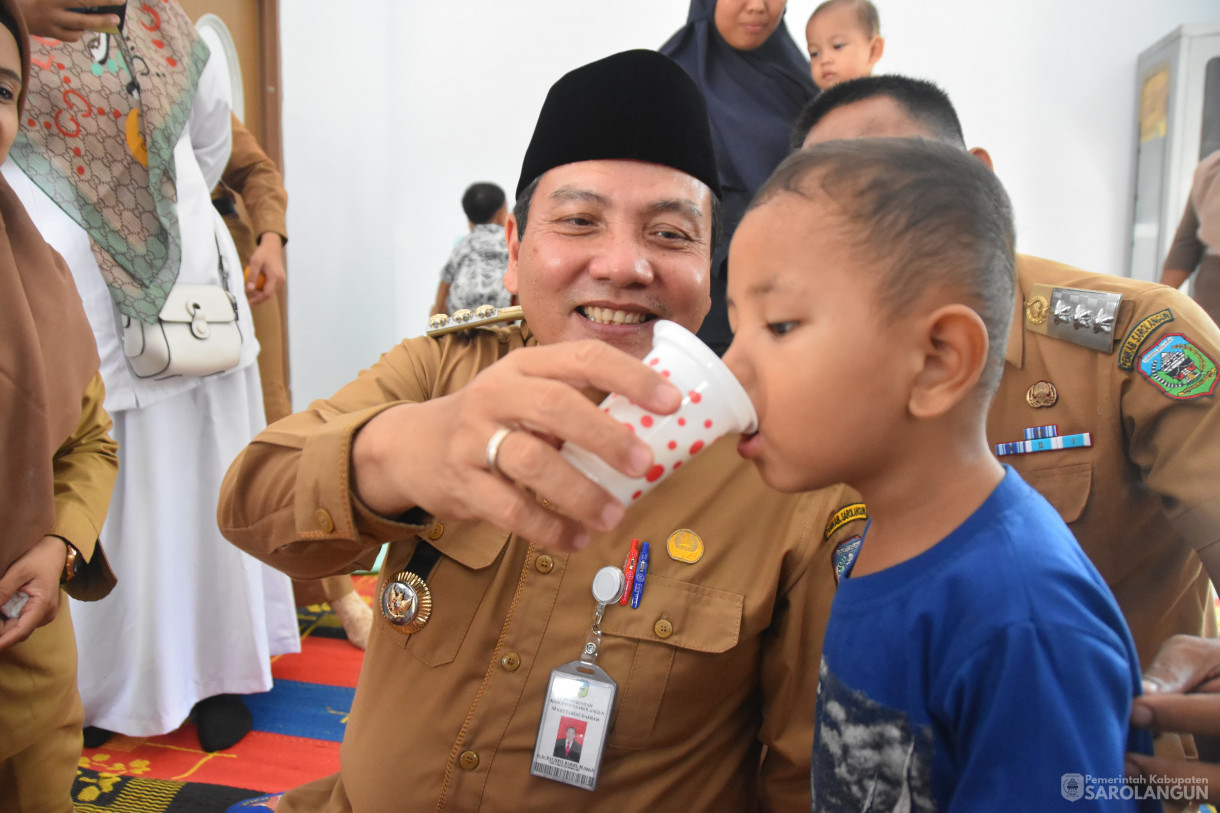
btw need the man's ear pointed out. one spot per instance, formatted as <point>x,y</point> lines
<point>514,248</point>
<point>984,156</point>
<point>955,353</point>
<point>875,49</point>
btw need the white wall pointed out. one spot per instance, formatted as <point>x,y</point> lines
<point>388,116</point>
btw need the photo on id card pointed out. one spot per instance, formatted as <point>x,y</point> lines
<point>575,722</point>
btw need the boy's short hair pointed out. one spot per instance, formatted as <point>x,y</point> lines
<point>865,12</point>
<point>923,101</point>
<point>928,215</point>
<point>481,202</point>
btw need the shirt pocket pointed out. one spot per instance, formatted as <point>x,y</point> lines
<point>677,617</point>
<point>457,592</point>
<point>1066,488</point>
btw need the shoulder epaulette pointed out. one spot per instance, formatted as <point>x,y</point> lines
<point>466,319</point>
<point>1075,315</point>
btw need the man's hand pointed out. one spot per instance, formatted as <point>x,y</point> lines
<point>51,18</point>
<point>266,268</point>
<point>434,454</point>
<point>37,574</point>
<point>1182,694</point>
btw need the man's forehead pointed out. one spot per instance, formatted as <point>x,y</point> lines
<point>875,117</point>
<point>618,180</point>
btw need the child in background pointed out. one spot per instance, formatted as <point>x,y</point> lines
<point>474,274</point>
<point>974,659</point>
<point>845,41</point>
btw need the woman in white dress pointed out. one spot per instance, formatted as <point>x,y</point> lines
<point>115,168</point>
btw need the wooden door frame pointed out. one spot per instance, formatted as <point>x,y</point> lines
<point>271,122</point>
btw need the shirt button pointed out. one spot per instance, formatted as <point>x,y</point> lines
<point>322,517</point>
<point>436,531</point>
<point>544,564</point>
<point>663,628</point>
<point>469,760</point>
<point>511,662</point>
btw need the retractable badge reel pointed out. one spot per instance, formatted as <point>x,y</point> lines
<point>579,700</point>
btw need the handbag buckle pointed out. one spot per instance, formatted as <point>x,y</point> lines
<point>199,323</point>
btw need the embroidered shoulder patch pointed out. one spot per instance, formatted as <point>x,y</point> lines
<point>846,514</point>
<point>845,556</point>
<point>1138,335</point>
<point>1179,369</point>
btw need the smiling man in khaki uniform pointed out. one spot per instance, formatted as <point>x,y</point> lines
<point>613,228</point>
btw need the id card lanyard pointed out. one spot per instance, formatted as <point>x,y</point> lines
<point>579,700</point>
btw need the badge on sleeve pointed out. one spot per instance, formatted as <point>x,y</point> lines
<point>1178,368</point>
<point>845,556</point>
<point>1138,335</point>
<point>845,515</point>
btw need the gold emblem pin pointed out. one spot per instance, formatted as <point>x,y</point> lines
<point>685,546</point>
<point>1042,394</point>
<point>406,602</point>
<point>1036,310</point>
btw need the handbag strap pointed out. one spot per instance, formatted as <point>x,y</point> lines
<point>224,279</point>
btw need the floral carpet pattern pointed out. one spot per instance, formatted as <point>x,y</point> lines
<point>298,726</point>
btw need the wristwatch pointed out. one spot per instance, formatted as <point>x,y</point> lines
<point>72,564</point>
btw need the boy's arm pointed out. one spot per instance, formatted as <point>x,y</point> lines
<point>1031,707</point>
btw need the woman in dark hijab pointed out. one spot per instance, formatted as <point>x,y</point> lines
<point>755,80</point>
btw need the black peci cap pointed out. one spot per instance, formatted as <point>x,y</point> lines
<point>637,105</point>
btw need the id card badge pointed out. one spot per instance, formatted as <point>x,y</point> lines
<point>574,724</point>
<point>579,701</point>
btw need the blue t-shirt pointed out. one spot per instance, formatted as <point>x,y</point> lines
<point>993,672</point>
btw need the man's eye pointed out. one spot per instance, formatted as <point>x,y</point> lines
<point>780,328</point>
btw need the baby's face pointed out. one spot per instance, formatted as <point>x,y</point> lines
<point>839,47</point>
<point>811,346</point>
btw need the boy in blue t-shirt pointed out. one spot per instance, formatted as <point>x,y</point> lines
<point>974,659</point>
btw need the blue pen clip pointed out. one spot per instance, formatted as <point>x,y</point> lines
<point>641,573</point>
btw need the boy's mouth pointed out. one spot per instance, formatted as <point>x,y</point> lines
<point>613,316</point>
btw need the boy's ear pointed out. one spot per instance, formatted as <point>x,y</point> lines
<point>875,49</point>
<point>955,353</point>
<point>984,156</point>
<point>514,248</point>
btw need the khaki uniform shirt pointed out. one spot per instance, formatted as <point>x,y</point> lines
<point>38,676</point>
<point>1146,495</point>
<point>719,660</point>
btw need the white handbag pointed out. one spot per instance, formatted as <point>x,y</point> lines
<point>196,333</point>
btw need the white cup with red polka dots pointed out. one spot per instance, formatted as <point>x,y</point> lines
<point>713,404</point>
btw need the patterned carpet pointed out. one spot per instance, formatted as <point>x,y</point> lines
<point>298,726</point>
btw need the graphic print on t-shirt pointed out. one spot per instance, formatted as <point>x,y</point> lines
<point>865,755</point>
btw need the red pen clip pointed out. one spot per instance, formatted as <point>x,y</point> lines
<point>633,558</point>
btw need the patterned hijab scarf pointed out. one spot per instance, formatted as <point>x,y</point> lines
<point>47,358</point>
<point>98,135</point>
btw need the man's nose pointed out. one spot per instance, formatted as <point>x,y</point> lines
<point>623,260</point>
